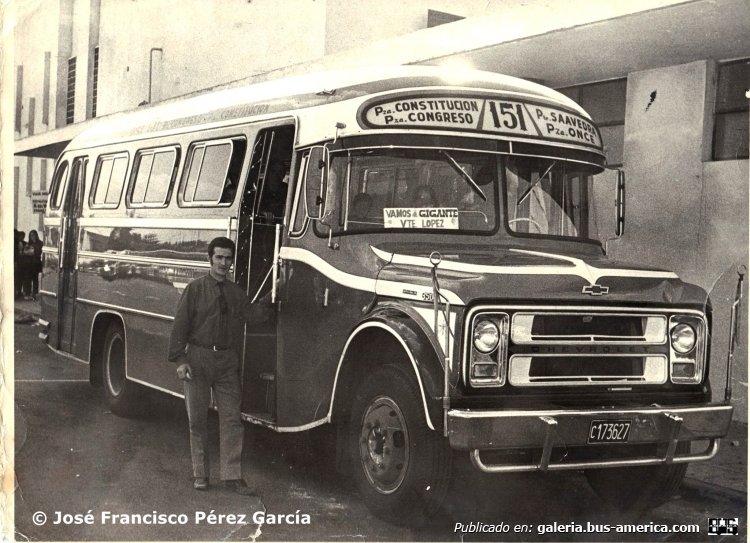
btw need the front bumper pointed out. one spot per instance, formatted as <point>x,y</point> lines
<point>545,430</point>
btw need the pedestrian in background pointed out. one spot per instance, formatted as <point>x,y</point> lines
<point>206,344</point>
<point>18,268</point>
<point>33,257</point>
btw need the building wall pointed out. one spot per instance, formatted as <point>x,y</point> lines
<point>683,213</point>
<point>202,44</point>
<point>348,25</point>
<point>33,44</point>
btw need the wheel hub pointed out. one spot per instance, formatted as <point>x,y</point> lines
<point>384,445</point>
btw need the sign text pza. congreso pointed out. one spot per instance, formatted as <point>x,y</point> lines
<point>484,115</point>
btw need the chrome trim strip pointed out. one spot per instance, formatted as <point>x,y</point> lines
<point>120,257</point>
<point>471,414</point>
<point>161,389</point>
<point>598,309</point>
<point>48,293</point>
<point>151,222</point>
<point>477,462</point>
<point>126,309</point>
<point>395,334</point>
<point>315,424</point>
<point>66,355</point>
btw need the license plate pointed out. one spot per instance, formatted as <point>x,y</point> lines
<point>609,431</point>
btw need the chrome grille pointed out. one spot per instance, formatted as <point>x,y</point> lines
<point>588,327</point>
<point>587,348</point>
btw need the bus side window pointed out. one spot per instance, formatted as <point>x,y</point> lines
<point>109,179</point>
<point>212,173</point>
<point>58,186</point>
<point>152,176</point>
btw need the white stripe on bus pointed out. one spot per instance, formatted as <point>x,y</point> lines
<point>579,268</point>
<point>384,288</point>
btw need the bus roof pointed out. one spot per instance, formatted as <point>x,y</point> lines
<point>298,96</point>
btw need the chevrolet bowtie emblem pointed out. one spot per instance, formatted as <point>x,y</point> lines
<point>595,290</point>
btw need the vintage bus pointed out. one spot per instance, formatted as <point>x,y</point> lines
<point>427,243</point>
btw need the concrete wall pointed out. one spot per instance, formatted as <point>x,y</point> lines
<point>31,43</point>
<point>349,24</point>
<point>203,44</point>
<point>684,213</point>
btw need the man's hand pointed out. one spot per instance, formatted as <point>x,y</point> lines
<point>184,373</point>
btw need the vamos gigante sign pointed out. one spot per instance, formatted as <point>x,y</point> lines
<point>507,117</point>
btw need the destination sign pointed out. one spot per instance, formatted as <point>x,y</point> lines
<point>445,218</point>
<point>506,117</point>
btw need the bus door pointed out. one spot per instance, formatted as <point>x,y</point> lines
<point>261,209</point>
<point>67,277</point>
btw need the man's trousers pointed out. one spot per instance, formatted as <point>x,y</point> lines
<point>217,370</point>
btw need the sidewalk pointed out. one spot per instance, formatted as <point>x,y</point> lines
<point>726,473</point>
<point>27,311</point>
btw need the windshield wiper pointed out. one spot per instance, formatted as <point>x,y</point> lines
<point>535,183</point>
<point>456,166</point>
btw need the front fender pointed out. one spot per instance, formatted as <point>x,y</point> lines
<point>419,347</point>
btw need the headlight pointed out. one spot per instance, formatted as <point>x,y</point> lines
<point>683,338</point>
<point>486,337</point>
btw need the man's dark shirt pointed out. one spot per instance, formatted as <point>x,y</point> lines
<point>199,319</point>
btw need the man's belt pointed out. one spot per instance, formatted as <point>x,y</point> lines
<point>215,348</point>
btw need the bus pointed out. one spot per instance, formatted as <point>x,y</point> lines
<point>435,274</point>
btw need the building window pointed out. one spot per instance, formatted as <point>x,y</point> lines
<point>32,115</point>
<point>46,90</point>
<point>605,102</point>
<point>71,96</point>
<point>213,172</point>
<point>730,120</point>
<point>109,178</point>
<point>95,82</point>
<point>151,180</point>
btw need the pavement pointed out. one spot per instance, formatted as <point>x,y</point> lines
<point>724,474</point>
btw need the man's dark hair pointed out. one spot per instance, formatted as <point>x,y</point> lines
<point>224,243</point>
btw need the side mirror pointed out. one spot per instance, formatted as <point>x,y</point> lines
<point>314,182</point>
<point>620,204</point>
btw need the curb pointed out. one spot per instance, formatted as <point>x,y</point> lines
<point>704,488</point>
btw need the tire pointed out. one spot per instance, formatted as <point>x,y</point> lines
<point>639,488</point>
<point>400,467</point>
<point>124,397</point>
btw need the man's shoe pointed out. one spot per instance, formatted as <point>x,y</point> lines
<point>200,483</point>
<point>239,486</point>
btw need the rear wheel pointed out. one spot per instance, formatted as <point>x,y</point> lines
<point>123,396</point>
<point>400,466</point>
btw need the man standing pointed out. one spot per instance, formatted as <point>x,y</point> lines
<point>205,343</point>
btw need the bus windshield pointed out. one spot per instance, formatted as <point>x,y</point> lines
<point>422,189</point>
<point>548,197</point>
<point>435,190</point>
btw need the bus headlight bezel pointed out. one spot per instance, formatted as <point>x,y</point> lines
<point>687,362</point>
<point>488,349</point>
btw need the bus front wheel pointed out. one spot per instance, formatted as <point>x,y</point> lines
<point>400,467</point>
<point>123,396</point>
